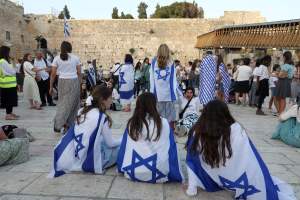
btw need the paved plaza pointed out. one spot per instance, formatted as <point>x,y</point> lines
<point>28,181</point>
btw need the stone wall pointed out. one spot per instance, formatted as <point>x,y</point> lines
<point>108,41</point>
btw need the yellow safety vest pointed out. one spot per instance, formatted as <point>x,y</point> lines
<point>6,81</point>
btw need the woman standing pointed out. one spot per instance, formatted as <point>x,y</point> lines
<point>67,66</point>
<point>163,84</point>
<point>126,83</point>
<point>137,78</point>
<point>262,83</point>
<point>30,88</point>
<point>283,89</point>
<point>8,84</point>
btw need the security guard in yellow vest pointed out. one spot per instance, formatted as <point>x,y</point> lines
<point>8,84</point>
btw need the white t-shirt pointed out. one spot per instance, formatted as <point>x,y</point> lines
<point>194,106</point>
<point>7,69</point>
<point>28,70</point>
<point>116,70</point>
<point>262,72</point>
<point>18,67</point>
<point>272,81</point>
<point>41,64</point>
<point>244,73</point>
<point>66,69</point>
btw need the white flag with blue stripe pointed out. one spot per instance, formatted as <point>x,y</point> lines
<point>207,79</point>
<point>152,162</point>
<point>67,28</point>
<point>126,83</point>
<point>226,81</point>
<point>92,76</point>
<point>80,147</point>
<point>245,173</point>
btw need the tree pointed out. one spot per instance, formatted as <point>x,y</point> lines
<point>179,10</point>
<point>142,10</point>
<point>64,12</point>
<point>127,16</point>
<point>115,13</point>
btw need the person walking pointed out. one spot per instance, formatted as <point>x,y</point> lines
<point>67,65</point>
<point>137,78</point>
<point>146,75</point>
<point>43,79</point>
<point>8,84</point>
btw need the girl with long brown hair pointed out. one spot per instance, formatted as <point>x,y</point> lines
<point>88,145</point>
<point>163,83</point>
<point>220,155</point>
<point>148,142</point>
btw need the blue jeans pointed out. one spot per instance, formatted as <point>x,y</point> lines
<point>109,155</point>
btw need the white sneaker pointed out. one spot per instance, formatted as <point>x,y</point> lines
<point>191,191</point>
<point>292,112</point>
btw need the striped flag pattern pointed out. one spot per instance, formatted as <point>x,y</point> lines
<point>226,81</point>
<point>208,71</point>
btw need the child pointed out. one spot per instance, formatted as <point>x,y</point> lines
<point>163,84</point>
<point>272,84</point>
<point>88,146</point>
<point>221,156</point>
<point>148,150</point>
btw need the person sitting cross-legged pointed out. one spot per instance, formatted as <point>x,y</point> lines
<point>220,156</point>
<point>148,151</point>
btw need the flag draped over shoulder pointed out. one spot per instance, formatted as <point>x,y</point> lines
<point>226,81</point>
<point>80,148</point>
<point>207,79</point>
<point>92,76</point>
<point>245,172</point>
<point>126,83</point>
<point>152,162</point>
<point>67,27</point>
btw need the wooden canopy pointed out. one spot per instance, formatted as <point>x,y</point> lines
<point>282,34</point>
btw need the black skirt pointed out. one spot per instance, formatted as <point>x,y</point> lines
<point>263,88</point>
<point>283,88</point>
<point>242,86</point>
<point>9,97</point>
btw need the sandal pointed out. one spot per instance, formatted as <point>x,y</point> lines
<point>11,118</point>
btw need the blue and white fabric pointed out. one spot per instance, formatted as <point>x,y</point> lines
<point>126,83</point>
<point>245,173</point>
<point>163,83</point>
<point>80,148</point>
<point>207,79</point>
<point>91,75</point>
<point>67,28</point>
<point>226,81</point>
<point>150,161</point>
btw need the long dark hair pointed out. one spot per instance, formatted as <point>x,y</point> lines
<point>65,48</point>
<point>212,134</point>
<point>4,53</point>
<point>194,65</point>
<point>138,66</point>
<point>99,94</point>
<point>25,58</point>
<point>288,58</point>
<point>128,59</point>
<point>266,61</point>
<point>145,106</point>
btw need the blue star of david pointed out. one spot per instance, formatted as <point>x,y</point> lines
<point>122,80</point>
<point>79,145</point>
<point>159,76</point>
<point>149,162</point>
<point>240,183</point>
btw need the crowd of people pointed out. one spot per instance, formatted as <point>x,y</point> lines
<point>220,155</point>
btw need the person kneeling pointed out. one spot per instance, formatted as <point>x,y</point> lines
<point>88,146</point>
<point>148,151</point>
<point>220,155</point>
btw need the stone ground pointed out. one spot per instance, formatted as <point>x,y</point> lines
<point>28,181</point>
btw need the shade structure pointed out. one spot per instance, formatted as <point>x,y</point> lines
<point>281,34</point>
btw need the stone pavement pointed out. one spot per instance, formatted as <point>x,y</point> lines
<point>28,181</point>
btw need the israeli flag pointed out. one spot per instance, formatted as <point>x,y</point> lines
<point>92,76</point>
<point>163,82</point>
<point>126,83</point>
<point>67,28</point>
<point>80,148</point>
<point>150,161</point>
<point>207,79</point>
<point>245,173</point>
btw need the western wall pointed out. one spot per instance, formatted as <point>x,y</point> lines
<point>107,40</point>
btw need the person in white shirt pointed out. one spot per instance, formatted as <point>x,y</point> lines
<point>272,85</point>
<point>243,74</point>
<point>43,79</point>
<point>262,83</point>
<point>67,67</point>
<point>252,92</point>
<point>30,88</point>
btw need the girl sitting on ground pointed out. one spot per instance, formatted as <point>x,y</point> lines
<point>220,155</point>
<point>148,150</point>
<point>88,146</point>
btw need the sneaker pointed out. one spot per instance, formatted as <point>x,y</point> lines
<point>260,112</point>
<point>51,104</point>
<point>191,191</point>
<point>43,104</point>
